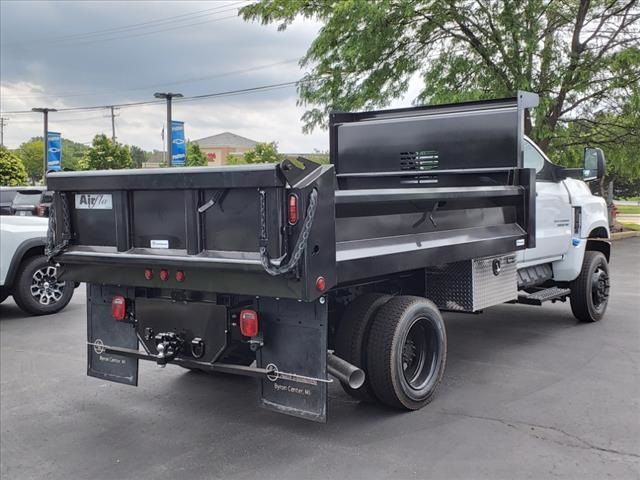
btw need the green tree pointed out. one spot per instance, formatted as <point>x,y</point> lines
<point>106,155</point>
<point>12,171</point>
<point>138,156</point>
<point>262,153</point>
<point>31,153</point>
<point>72,153</point>
<point>581,56</point>
<point>195,157</point>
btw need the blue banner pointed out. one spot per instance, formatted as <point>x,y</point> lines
<point>178,144</point>
<point>54,151</point>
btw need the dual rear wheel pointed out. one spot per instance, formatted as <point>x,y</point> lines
<point>400,342</point>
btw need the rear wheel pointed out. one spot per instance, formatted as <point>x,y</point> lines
<point>4,293</point>
<point>407,351</point>
<point>352,337</point>
<point>37,290</point>
<point>590,291</point>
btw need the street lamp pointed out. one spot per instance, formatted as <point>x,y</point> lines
<point>45,138</point>
<point>168,96</point>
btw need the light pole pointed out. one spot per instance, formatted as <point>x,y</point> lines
<point>45,112</point>
<point>168,96</point>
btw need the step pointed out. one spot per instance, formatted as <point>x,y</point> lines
<point>545,295</point>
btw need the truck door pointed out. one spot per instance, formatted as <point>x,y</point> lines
<point>553,212</point>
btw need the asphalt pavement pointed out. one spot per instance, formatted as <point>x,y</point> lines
<point>528,393</point>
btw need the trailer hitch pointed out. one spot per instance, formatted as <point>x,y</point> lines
<point>168,345</point>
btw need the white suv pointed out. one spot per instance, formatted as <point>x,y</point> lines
<point>25,271</point>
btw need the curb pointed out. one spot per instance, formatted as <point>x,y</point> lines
<point>623,235</point>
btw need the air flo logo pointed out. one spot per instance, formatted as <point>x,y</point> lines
<point>94,201</point>
<point>178,141</point>
<point>54,150</point>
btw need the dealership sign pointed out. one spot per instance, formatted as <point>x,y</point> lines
<point>54,151</point>
<point>178,144</point>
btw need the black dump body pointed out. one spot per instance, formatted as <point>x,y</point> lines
<point>407,189</point>
<point>174,258</point>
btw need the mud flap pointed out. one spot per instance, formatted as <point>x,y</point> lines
<point>295,341</point>
<point>102,329</point>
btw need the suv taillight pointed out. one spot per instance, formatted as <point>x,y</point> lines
<point>41,211</point>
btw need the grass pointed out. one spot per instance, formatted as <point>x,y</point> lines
<point>631,226</point>
<point>628,209</point>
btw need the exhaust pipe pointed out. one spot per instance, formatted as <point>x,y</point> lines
<point>344,371</point>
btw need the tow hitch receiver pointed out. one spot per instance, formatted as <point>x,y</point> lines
<point>168,346</point>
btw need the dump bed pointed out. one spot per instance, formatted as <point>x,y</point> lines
<point>406,189</point>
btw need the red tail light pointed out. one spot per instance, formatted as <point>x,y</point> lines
<point>293,209</point>
<point>148,273</point>
<point>180,276</point>
<point>249,323</point>
<point>41,211</point>
<point>118,308</point>
<point>164,275</point>
<point>321,284</point>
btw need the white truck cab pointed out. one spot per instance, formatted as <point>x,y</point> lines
<point>571,237</point>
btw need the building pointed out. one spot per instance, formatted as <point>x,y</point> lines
<point>218,147</point>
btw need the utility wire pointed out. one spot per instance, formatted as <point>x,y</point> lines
<point>133,26</point>
<point>177,100</point>
<point>157,85</point>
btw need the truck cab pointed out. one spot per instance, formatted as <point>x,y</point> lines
<point>570,221</point>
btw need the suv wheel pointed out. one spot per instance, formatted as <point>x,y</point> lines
<point>37,290</point>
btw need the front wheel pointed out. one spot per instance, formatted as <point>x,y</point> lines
<point>590,291</point>
<point>407,352</point>
<point>37,290</point>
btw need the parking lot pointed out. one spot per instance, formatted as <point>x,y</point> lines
<point>528,393</point>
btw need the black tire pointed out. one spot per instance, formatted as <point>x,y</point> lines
<point>4,294</point>
<point>37,290</point>
<point>590,291</point>
<point>407,352</point>
<point>351,338</point>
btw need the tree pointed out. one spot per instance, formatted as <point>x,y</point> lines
<point>31,153</point>
<point>106,155</point>
<point>581,56</point>
<point>262,153</point>
<point>138,156</point>
<point>72,153</point>
<point>12,171</point>
<point>195,157</point>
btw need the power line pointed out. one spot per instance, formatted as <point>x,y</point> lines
<point>185,99</point>
<point>133,26</point>
<point>157,85</point>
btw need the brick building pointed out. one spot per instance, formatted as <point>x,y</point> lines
<point>218,147</point>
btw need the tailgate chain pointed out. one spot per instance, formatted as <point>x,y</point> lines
<point>56,245</point>
<point>301,243</point>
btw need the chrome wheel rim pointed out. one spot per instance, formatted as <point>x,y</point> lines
<point>45,287</point>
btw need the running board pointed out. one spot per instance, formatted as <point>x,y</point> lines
<point>544,295</point>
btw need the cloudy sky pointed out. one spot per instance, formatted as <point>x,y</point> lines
<point>89,53</point>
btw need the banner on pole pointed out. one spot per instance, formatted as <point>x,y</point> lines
<point>54,151</point>
<point>178,144</point>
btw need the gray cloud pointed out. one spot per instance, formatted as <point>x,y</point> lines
<point>45,51</point>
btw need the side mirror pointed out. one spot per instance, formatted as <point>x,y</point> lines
<point>594,164</point>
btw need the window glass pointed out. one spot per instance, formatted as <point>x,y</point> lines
<point>7,195</point>
<point>26,198</point>
<point>532,158</point>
